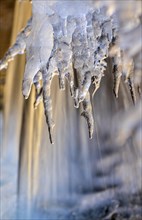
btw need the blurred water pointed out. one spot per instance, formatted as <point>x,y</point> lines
<point>58,168</point>
<point>44,181</point>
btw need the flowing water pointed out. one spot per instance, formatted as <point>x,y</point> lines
<point>56,173</point>
<point>47,181</point>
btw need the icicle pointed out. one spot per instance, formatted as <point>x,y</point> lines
<point>47,78</point>
<point>70,78</point>
<point>81,58</point>
<point>129,76</point>
<point>64,44</point>
<point>74,47</point>
<point>117,56</point>
<point>117,73</point>
<point>85,86</point>
<point>76,101</point>
<point>128,67</point>
<point>103,39</point>
<point>18,47</point>
<point>132,89</point>
<point>38,88</point>
<point>88,114</point>
<point>96,80</point>
<point>39,47</point>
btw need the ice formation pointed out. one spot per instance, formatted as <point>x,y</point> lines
<point>71,40</point>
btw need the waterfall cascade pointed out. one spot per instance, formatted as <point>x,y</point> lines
<point>77,177</point>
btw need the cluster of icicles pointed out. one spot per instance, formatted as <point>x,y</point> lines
<point>74,48</point>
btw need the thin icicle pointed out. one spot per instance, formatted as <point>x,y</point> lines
<point>38,88</point>
<point>88,114</point>
<point>47,78</point>
<point>132,89</point>
<point>117,73</point>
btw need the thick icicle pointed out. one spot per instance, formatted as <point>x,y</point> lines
<point>18,47</point>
